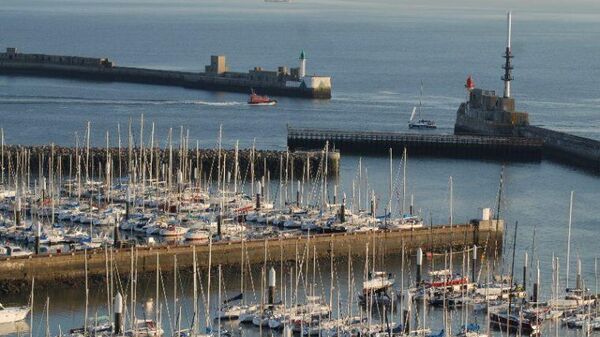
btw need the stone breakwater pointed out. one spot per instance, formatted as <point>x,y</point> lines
<point>193,164</point>
<point>216,77</point>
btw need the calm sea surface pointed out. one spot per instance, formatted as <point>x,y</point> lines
<point>377,55</point>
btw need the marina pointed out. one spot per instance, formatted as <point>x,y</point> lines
<point>54,268</point>
<point>65,229</point>
<point>133,204</point>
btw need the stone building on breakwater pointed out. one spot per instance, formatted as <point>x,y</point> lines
<point>216,77</point>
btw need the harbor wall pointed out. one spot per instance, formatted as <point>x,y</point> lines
<point>379,143</point>
<point>555,145</point>
<point>69,269</point>
<point>38,158</point>
<point>570,149</point>
<point>212,82</point>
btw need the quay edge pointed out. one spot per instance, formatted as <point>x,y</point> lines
<point>67,269</point>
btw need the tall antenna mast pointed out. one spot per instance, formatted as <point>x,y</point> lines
<point>507,56</point>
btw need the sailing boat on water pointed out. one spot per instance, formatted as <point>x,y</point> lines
<point>420,123</point>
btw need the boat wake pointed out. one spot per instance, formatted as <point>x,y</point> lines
<point>94,101</point>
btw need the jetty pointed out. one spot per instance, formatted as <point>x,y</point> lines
<point>487,126</point>
<point>202,163</point>
<point>283,81</point>
<point>566,148</point>
<point>379,142</point>
<point>68,268</point>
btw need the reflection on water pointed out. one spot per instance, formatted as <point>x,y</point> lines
<point>295,281</point>
<point>16,329</point>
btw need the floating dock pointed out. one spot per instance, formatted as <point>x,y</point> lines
<point>69,268</point>
<point>217,77</point>
<point>375,142</point>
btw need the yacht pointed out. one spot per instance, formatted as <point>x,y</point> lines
<point>420,123</point>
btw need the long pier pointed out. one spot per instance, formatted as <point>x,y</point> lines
<point>371,142</point>
<point>69,268</point>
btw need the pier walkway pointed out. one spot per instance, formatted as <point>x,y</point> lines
<point>372,142</point>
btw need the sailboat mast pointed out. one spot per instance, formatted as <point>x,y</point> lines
<point>512,274</point>
<point>87,292</point>
<point>359,181</point>
<point>157,290</point>
<point>219,158</point>
<point>31,308</point>
<point>87,153</point>
<point>420,100</point>
<point>391,183</point>
<point>195,291</point>
<point>47,316</point>
<point>236,167</point>
<point>404,181</point>
<point>175,288</point>
<point>569,237</point>
<point>208,282</point>
<point>242,272</point>
<point>219,302</point>
<point>252,167</point>
<point>451,201</point>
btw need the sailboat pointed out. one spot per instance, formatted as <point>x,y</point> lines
<point>420,123</point>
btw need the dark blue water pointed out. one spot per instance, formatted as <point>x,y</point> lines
<point>377,55</point>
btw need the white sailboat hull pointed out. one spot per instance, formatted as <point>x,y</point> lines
<point>13,314</point>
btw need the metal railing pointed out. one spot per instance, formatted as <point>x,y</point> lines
<point>400,137</point>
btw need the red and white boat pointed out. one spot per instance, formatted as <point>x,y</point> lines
<point>260,100</point>
<point>441,279</point>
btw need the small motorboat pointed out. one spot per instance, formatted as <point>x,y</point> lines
<point>260,100</point>
<point>173,230</point>
<point>197,234</point>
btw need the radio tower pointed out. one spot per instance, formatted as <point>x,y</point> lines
<point>507,56</point>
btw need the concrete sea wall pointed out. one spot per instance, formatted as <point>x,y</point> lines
<point>67,269</point>
<point>160,77</point>
<point>426,144</point>
<point>570,149</point>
